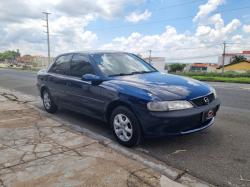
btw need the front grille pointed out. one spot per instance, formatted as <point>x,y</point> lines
<point>201,101</point>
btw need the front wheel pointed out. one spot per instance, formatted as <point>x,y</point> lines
<point>126,127</point>
<point>48,103</point>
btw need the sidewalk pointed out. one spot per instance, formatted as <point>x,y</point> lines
<point>36,150</point>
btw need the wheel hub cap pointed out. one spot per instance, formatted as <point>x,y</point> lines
<point>46,100</point>
<point>123,128</point>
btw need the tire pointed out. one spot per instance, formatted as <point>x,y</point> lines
<point>125,127</point>
<point>48,102</point>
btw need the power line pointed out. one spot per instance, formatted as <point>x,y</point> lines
<point>148,23</point>
<point>169,19</point>
<point>180,4</point>
<point>189,48</point>
<point>175,5</point>
<point>190,58</point>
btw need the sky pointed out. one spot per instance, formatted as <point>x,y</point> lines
<point>182,31</point>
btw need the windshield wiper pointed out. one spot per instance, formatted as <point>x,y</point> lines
<point>140,72</point>
<point>120,74</point>
<point>132,73</point>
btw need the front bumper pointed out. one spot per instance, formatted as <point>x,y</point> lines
<point>160,124</point>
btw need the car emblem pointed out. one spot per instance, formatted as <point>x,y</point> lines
<point>206,100</point>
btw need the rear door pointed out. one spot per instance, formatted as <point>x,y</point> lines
<point>84,96</point>
<point>57,80</point>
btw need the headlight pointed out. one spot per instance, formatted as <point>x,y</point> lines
<point>214,92</point>
<point>168,105</point>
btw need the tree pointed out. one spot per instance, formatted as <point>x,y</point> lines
<point>238,58</point>
<point>176,67</point>
<point>9,55</point>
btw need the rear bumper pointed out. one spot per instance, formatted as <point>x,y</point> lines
<point>160,124</point>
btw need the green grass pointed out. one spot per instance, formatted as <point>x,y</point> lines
<point>223,79</point>
<point>230,76</point>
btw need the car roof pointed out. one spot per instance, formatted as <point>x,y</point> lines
<point>91,52</point>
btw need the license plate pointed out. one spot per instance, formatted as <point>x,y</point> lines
<point>208,115</point>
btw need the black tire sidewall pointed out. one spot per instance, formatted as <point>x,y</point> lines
<point>53,107</point>
<point>137,132</point>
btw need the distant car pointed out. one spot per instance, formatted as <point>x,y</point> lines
<point>128,93</point>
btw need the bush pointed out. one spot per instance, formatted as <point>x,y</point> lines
<point>176,67</point>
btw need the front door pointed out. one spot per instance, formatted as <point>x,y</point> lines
<point>84,96</point>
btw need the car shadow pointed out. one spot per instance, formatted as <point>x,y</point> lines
<point>87,122</point>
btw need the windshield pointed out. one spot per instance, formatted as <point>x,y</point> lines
<point>115,64</point>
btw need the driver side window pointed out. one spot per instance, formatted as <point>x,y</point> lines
<point>80,66</point>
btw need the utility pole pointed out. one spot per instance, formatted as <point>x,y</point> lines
<point>47,26</point>
<point>150,58</point>
<point>223,56</point>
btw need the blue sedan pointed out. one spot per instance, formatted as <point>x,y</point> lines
<point>128,93</point>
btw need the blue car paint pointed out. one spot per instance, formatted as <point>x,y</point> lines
<point>134,91</point>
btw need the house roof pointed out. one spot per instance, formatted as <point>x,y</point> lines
<point>246,52</point>
<point>242,53</point>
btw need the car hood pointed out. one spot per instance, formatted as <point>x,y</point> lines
<point>165,86</point>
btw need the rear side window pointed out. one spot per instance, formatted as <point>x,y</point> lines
<point>80,66</point>
<point>62,64</point>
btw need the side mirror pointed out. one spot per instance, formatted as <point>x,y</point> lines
<point>94,79</point>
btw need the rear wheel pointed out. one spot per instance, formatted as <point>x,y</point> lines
<point>48,103</point>
<point>125,127</point>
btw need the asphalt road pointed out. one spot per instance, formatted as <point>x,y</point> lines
<point>219,155</point>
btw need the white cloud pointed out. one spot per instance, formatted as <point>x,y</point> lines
<point>246,28</point>
<point>67,33</point>
<point>30,9</point>
<point>161,44</point>
<point>174,45</point>
<point>22,28</point>
<point>203,30</point>
<point>107,9</point>
<point>207,8</point>
<point>217,21</point>
<point>70,35</point>
<point>211,31</point>
<point>217,34</point>
<point>135,17</point>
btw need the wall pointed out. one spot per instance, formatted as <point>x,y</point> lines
<point>242,66</point>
